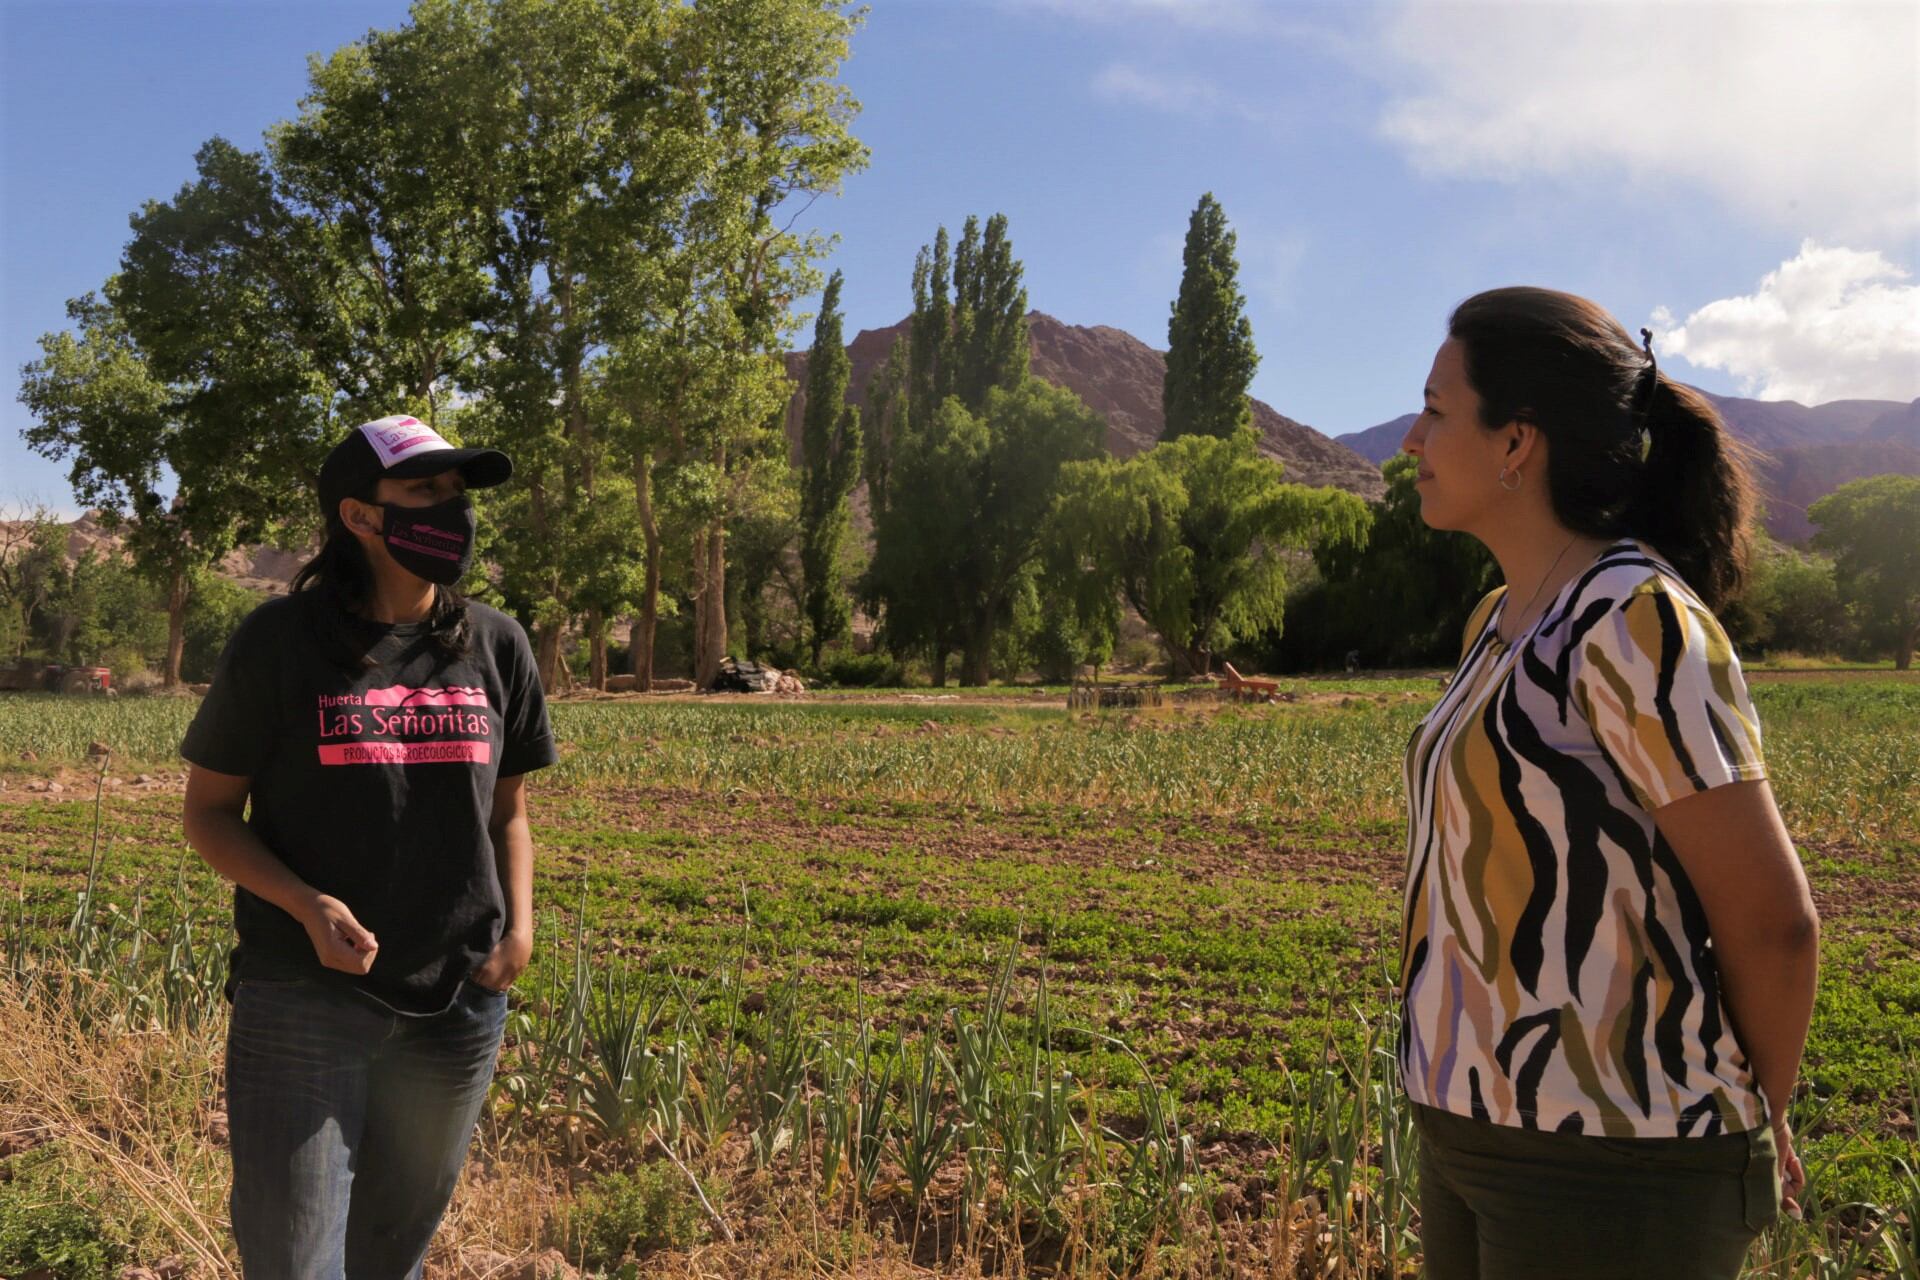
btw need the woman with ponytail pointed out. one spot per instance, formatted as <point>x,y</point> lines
<point>1609,948</point>
<point>358,772</point>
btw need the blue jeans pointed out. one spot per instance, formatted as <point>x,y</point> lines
<point>349,1124</point>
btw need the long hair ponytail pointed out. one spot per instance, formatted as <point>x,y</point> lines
<point>1631,453</point>
<point>1694,503</point>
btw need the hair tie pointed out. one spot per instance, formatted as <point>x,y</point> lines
<point>1651,375</point>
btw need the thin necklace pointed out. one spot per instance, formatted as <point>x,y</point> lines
<point>1537,590</point>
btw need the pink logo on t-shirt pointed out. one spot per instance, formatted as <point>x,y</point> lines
<point>400,695</point>
<point>406,753</point>
<point>401,724</point>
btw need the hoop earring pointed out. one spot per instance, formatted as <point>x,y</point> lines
<point>1517,478</point>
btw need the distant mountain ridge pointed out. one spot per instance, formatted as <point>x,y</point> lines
<point>1119,377</point>
<point>258,567</point>
<point>1806,451</point>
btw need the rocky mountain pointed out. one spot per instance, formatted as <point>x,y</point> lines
<point>1791,480</point>
<point>1377,444</point>
<point>1119,377</point>
<point>1806,451</point>
<point>261,568</point>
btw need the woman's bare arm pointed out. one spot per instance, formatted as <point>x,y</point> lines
<point>513,858</point>
<point>1766,933</point>
<point>216,827</point>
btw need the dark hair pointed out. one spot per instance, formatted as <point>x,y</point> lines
<point>1631,453</point>
<point>340,577</point>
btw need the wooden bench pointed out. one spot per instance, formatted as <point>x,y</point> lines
<point>1239,687</point>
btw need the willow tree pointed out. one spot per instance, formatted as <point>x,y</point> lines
<point>1192,534</point>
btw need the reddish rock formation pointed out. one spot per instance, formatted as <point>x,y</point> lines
<point>1119,377</point>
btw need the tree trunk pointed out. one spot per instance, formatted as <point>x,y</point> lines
<point>1189,661</point>
<point>640,651</point>
<point>597,638</point>
<point>176,628</point>
<point>976,656</point>
<point>1903,653</point>
<point>546,657</point>
<point>710,603</point>
<point>939,666</point>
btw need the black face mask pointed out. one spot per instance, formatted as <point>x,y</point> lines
<point>436,542</point>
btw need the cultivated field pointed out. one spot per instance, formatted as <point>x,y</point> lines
<point>964,986</point>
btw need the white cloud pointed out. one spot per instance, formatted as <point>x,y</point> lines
<point>1204,15</point>
<point>1804,114</point>
<point>1829,324</point>
<point>1124,82</point>
<point>1171,91</point>
<point>1270,262</point>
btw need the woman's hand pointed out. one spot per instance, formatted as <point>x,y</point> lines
<point>339,940</point>
<point>1793,1176</point>
<point>505,962</point>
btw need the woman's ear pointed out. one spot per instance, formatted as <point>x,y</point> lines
<point>358,518</point>
<point>1522,439</point>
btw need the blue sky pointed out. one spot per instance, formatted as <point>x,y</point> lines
<point>1743,176</point>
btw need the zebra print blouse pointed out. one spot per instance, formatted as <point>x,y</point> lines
<point>1556,971</point>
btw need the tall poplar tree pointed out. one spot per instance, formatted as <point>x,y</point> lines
<point>960,347</point>
<point>1210,355</point>
<point>829,465</point>
<point>989,339</point>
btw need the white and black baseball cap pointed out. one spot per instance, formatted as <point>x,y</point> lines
<point>402,448</point>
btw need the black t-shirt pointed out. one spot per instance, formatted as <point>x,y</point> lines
<point>375,787</point>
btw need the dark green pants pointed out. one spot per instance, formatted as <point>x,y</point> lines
<point>1500,1203</point>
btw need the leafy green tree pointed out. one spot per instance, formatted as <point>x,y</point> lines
<point>959,346</point>
<point>381,267</point>
<point>561,188</point>
<point>830,464</point>
<point>988,345</point>
<point>1210,355</point>
<point>779,121</point>
<point>973,340</point>
<point>217,607</point>
<point>273,308</point>
<point>97,404</point>
<point>1192,534</point>
<point>1063,619</point>
<point>1790,604</point>
<point>883,423</point>
<point>767,595</point>
<point>33,573</point>
<point>1398,599</point>
<point>702,319</point>
<point>964,528</point>
<point>1872,529</point>
<point>929,374</point>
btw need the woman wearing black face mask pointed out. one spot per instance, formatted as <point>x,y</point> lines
<point>382,728</point>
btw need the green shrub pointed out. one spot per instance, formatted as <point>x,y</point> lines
<point>865,671</point>
<point>214,608</point>
<point>45,1224</point>
<point>622,1215</point>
